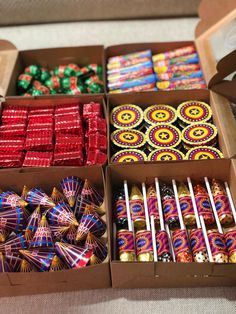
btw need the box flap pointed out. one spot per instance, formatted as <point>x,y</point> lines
<point>219,84</point>
<point>211,12</point>
<point>8,56</point>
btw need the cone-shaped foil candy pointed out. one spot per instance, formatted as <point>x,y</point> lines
<point>14,244</point>
<point>90,194</point>
<point>4,233</point>
<point>59,232</point>
<point>43,236</point>
<point>74,256</point>
<point>61,215</point>
<point>57,196</point>
<point>24,193</point>
<point>14,261</point>
<point>90,222</point>
<point>38,197</point>
<point>71,187</point>
<point>71,235</point>
<point>33,223</point>
<point>40,259</point>
<point>9,200</point>
<point>222,203</point>
<point>57,264</point>
<point>98,247</point>
<point>13,219</point>
<point>26,267</point>
<point>4,265</point>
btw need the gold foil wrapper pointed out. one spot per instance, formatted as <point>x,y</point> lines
<point>127,257</point>
<point>145,257</point>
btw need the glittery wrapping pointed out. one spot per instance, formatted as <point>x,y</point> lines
<point>26,267</point>
<point>170,209</point>
<point>186,206</point>
<point>162,243</point>
<point>57,196</point>
<point>14,244</point>
<point>143,240</point>
<point>126,116</point>
<point>90,194</point>
<point>98,247</point>
<point>137,209</point>
<point>204,208</point>
<point>160,114</point>
<point>57,264</point>
<point>4,265</point>
<point>43,236</point>
<point>61,215</point>
<point>125,241</point>
<point>71,187</point>
<point>4,233</point>
<point>33,223</point>
<point>120,211</point>
<point>9,199</point>
<point>59,232</point>
<point>230,238</point>
<point>71,235</point>
<point>40,259</point>
<point>197,241</point>
<point>222,205</point>
<point>13,219</point>
<point>153,207</point>
<point>128,138</point>
<point>180,242</point>
<point>74,256</point>
<point>129,155</point>
<point>14,261</point>
<point>37,196</point>
<point>204,152</point>
<point>217,243</point>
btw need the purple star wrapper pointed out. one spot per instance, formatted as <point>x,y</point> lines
<point>38,197</point>
<point>40,259</point>
<point>71,187</point>
<point>14,244</point>
<point>90,222</point>
<point>43,236</point>
<point>9,200</point>
<point>61,215</point>
<point>13,219</point>
<point>14,261</point>
<point>98,247</point>
<point>57,264</point>
<point>57,196</point>
<point>59,232</point>
<point>33,223</point>
<point>4,265</point>
<point>74,256</point>
<point>26,267</point>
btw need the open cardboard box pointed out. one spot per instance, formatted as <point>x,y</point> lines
<point>13,62</point>
<point>157,274</point>
<point>49,101</point>
<point>90,277</point>
<point>227,141</point>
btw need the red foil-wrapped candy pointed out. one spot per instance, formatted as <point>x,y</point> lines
<point>92,110</point>
<point>15,145</point>
<point>39,142</point>
<point>96,157</point>
<point>40,111</point>
<point>38,159</point>
<point>97,141</point>
<point>40,121</point>
<point>68,143</point>
<point>44,116</point>
<point>68,125</point>
<point>11,159</point>
<point>96,124</point>
<point>68,158</point>
<point>12,130</point>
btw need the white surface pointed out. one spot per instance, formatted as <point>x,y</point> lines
<point>146,301</point>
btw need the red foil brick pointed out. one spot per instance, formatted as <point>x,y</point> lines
<point>38,159</point>
<point>68,158</point>
<point>92,110</point>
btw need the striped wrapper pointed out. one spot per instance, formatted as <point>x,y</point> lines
<point>222,205</point>
<point>186,206</point>
<point>125,241</point>
<point>230,238</point>
<point>137,209</point>
<point>204,208</point>
<point>180,241</point>
<point>197,241</point>
<point>153,207</point>
<point>170,209</point>
<point>120,210</point>
<point>217,243</point>
<point>162,242</point>
<point>143,242</point>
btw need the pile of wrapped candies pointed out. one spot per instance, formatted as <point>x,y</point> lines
<point>42,233</point>
<point>142,71</point>
<point>181,222</point>
<point>163,133</point>
<point>62,135</point>
<point>64,79</point>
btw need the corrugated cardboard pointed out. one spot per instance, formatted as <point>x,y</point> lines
<point>227,141</point>
<point>91,277</point>
<point>13,62</point>
<point>150,274</point>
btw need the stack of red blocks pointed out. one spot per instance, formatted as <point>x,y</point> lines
<point>67,135</point>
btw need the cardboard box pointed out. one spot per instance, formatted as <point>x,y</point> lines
<point>49,101</point>
<point>227,141</point>
<point>13,62</point>
<point>90,277</point>
<point>157,274</point>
